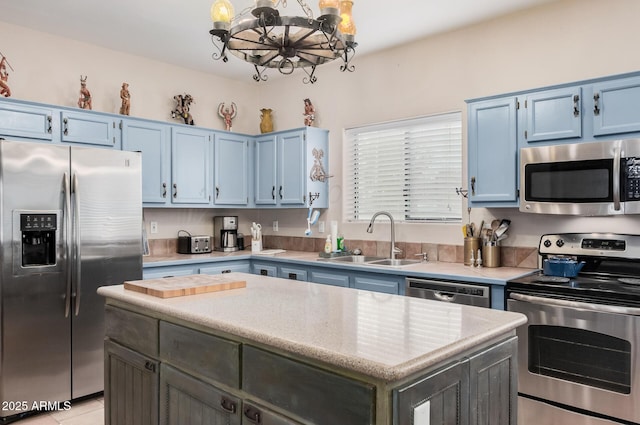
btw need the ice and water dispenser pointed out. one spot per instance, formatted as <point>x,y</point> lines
<point>38,239</point>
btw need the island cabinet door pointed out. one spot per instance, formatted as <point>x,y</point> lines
<point>315,395</point>
<point>494,385</point>
<point>438,399</point>
<point>130,387</point>
<point>185,400</point>
<point>254,414</point>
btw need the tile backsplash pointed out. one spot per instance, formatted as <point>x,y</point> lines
<point>509,256</point>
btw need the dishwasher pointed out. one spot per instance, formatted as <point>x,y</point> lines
<point>448,291</point>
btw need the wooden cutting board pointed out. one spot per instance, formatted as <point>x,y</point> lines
<point>170,287</point>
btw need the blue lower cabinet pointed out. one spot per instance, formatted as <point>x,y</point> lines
<point>293,273</point>
<point>385,284</point>
<point>329,278</point>
<point>171,271</point>
<point>265,269</point>
<point>229,267</point>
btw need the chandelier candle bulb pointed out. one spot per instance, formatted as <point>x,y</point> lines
<point>347,27</point>
<point>222,13</point>
<point>329,7</point>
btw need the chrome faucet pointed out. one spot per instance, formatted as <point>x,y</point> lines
<point>393,250</point>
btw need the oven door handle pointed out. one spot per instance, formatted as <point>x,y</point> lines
<point>630,311</point>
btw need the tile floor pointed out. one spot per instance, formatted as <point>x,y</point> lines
<point>87,412</point>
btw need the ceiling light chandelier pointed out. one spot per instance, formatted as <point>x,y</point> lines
<point>268,40</point>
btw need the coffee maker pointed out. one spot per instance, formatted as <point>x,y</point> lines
<point>225,233</point>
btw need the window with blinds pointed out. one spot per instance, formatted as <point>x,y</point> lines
<point>408,168</point>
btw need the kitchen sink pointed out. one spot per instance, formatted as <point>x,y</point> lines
<point>355,259</point>
<point>393,262</point>
<point>369,260</point>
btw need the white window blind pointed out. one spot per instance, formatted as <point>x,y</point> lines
<point>408,168</point>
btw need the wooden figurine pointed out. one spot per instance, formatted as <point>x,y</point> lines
<point>227,115</point>
<point>266,123</point>
<point>4,77</point>
<point>309,113</point>
<point>84,101</point>
<point>125,96</point>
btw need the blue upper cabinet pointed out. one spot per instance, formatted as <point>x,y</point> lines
<point>553,115</point>
<point>291,169</point>
<point>153,140</point>
<point>492,152</point>
<point>90,128</point>
<point>190,165</point>
<point>616,107</point>
<point>231,170</point>
<point>265,169</point>
<point>27,122</point>
<point>291,166</point>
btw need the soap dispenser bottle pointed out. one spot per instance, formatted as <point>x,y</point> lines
<point>327,245</point>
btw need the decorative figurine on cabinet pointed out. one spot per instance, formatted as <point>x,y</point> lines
<point>183,102</point>
<point>227,115</point>
<point>309,113</point>
<point>317,171</point>
<point>266,123</point>
<point>84,101</point>
<point>126,99</point>
<point>4,77</point>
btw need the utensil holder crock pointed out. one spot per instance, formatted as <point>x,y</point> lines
<point>491,255</point>
<point>471,246</point>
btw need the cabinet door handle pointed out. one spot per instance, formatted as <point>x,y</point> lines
<point>280,192</point>
<point>252,414</point>
<point>217,192</point>
<point>473,186</point>
<point>150,366</point>
<point>576,105</point>
<point>596,107</point>
<point>164,190</point>
<point>175,190</point>
<point>66,126</point>
<point>228,405</point>
<point>49,119</point>
<point>273,192</point>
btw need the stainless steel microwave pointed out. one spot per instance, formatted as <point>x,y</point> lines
<point>590,178</point>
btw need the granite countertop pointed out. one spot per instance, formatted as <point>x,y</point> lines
<point>434,269</point>
<point>388,337</point>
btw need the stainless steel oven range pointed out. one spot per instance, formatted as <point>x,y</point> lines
<point>579,353</point>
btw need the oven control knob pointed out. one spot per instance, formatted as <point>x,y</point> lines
<point>547,243</point>
<point>559,243</point>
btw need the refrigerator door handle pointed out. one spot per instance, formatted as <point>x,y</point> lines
<point>67,245</point>
<point>76,243</point>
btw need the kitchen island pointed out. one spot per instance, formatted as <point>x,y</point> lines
<point>289,352</point>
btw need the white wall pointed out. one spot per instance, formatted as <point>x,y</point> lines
<point>48,69</point>
<point>561,42</point>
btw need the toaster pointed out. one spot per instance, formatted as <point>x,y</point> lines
<point>194,244</point>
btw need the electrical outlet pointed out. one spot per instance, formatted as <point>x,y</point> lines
<point>154,227</point>
<point>321,226</point>
<point>275,226</point>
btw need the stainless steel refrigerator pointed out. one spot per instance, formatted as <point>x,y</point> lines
<point>71,222</point>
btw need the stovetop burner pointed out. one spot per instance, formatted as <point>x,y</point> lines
<point>611,274</point>
<point>630,280</point>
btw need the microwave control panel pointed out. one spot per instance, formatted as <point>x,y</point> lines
<point>630,190</point>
